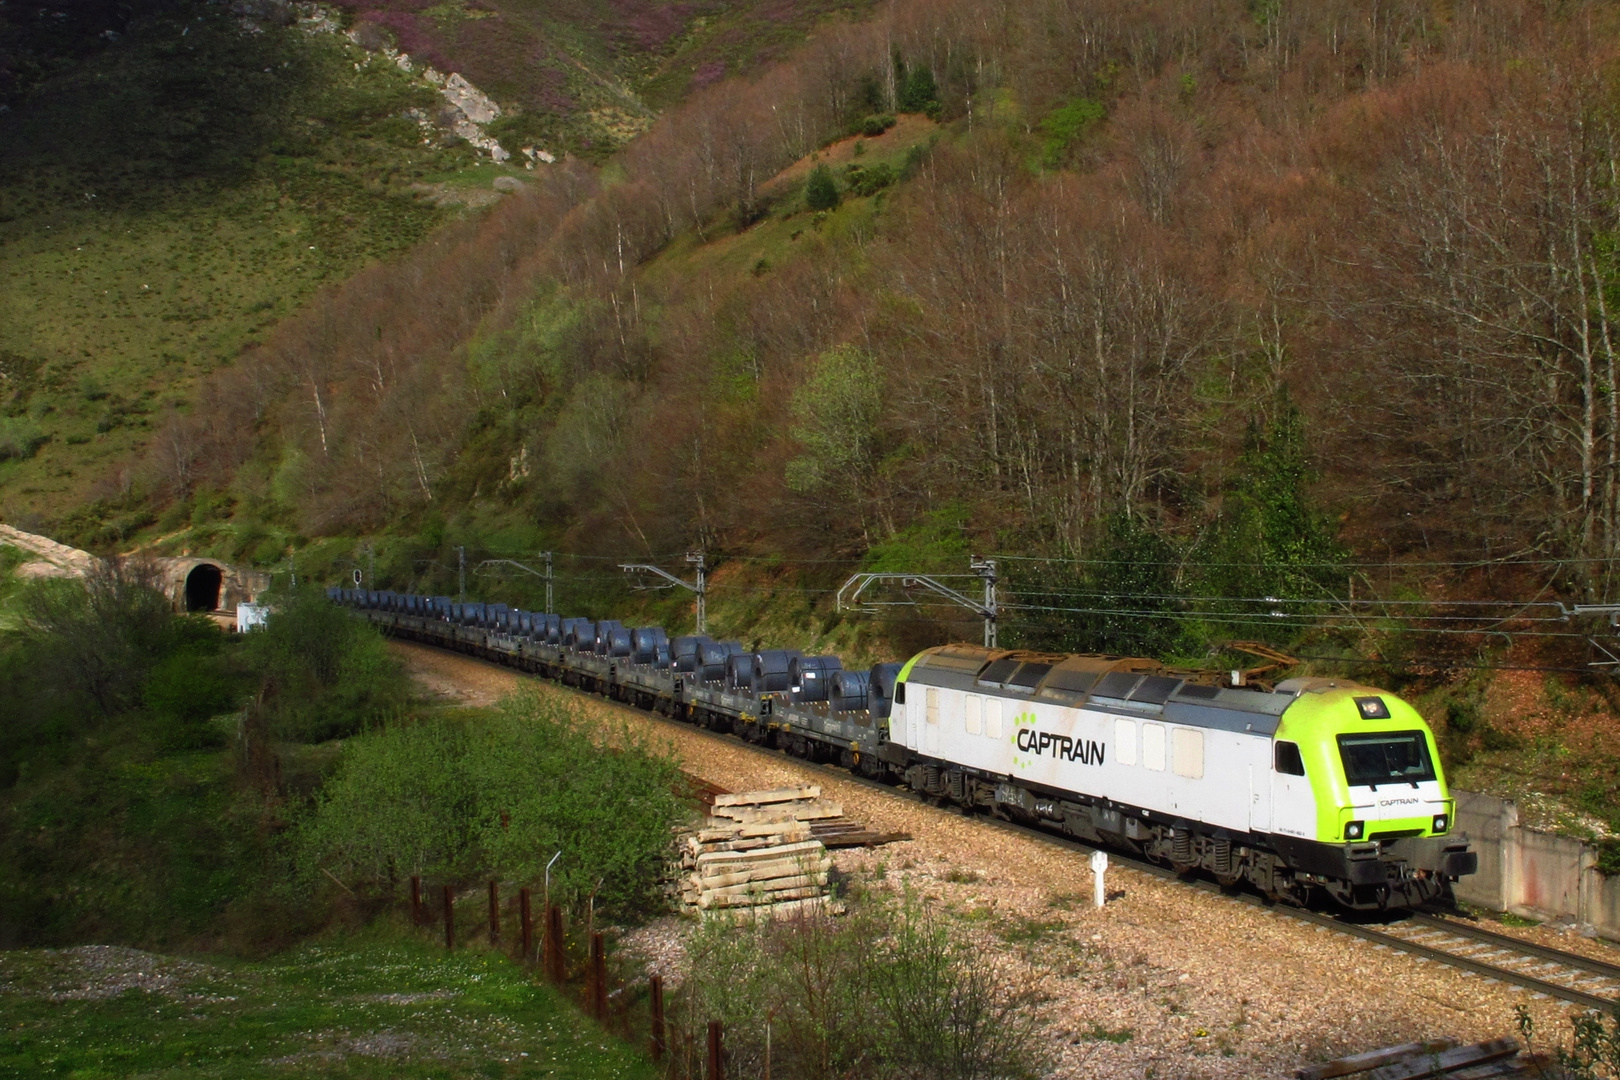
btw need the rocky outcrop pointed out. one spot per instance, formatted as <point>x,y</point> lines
<point>50,558</point>
<point>467,109</point>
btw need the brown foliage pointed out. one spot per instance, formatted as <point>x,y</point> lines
<point>1403,213</point>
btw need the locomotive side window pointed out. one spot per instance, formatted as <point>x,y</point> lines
<point>1153,746</point>
<point>992,718</point>
<point>1288,760</point>
<point>1125,742</point>
<point>1187,752</point>
<point>975,714</point>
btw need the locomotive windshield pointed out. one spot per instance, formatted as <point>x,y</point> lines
<point>1386,757</point>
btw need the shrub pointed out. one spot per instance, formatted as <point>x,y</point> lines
<point>877,124</point>
<point>97,637</point>
<point>20,437</point>
<point>463,799</point>
<point>1064,125</point>
<point>870,181</point>
<point>889,991</point>
<point>326,674</point>
<point>821,191</point>
<point>183,692</point>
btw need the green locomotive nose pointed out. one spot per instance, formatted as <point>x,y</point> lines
<point>1370,764</point>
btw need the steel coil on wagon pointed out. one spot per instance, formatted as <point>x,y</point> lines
<point>772,669</point>
<point>880,690</point>
<point>712,657</point>
<point>847,692</point>
<point>604,631</point>
<point>683,651</point>
<point>645,643</point>
<point>810,677</point>
<point>617,642</point>
<point>740,672</point>
<point>576,632</point>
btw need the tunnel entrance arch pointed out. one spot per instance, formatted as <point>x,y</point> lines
<point>203,586</point>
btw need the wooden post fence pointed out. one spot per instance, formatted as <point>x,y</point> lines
<point>597,984</point>
<point>449,917</point>
<point>656,985</point>
<point>526,917</point>
<point>717,1070</point>
<point>556,966</point>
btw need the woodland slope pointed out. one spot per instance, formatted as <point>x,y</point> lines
<point>1241,305</point>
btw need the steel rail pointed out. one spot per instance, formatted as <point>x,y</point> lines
<point>1507,941</point>
<point>1328,922</point>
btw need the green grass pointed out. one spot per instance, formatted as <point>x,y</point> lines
<point>381,1003</point>
<point>168,201</point>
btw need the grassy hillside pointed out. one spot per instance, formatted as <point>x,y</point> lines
<point>179,179</point>
<point>381,1003</point>
<point>165,202</point>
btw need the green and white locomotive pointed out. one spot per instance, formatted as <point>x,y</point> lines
<point>1319,785</point>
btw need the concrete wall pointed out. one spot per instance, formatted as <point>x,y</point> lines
<point>1534,873</point>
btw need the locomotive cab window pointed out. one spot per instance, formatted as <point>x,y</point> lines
<point>1386,757</point>
<point>1288,759</point>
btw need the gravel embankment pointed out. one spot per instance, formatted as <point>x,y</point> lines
<point>1166,981</point>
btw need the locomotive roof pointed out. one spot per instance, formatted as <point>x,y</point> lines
<point>1125,685</point>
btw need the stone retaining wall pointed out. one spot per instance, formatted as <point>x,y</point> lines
<point>1531,872</point>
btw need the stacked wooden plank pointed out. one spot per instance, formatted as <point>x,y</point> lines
<point>758,851</point>
<point>1440,1058</point>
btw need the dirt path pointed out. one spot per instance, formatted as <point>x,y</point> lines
<point>1166,981</point>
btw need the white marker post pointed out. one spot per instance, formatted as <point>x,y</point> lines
<point>1099,866</point>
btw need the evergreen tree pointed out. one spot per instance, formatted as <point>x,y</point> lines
<point>919,92</point>
<point>1269,541</point>
<point>821,191</point>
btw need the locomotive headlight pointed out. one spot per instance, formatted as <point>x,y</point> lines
<point>1441,823</point>
<point>1353,830</point>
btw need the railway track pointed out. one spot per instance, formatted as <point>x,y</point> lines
<point>1476,951</point>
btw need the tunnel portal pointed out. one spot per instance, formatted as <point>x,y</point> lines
<point>203,587</point>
